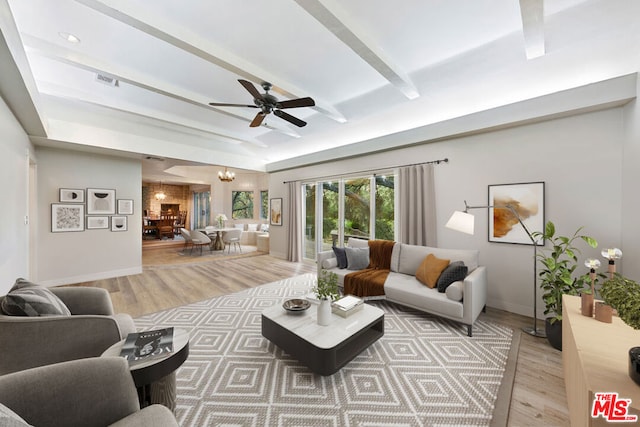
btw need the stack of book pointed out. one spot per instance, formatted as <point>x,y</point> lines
<point>347,305</point>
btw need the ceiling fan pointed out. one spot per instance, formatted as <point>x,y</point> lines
<point>268,103</point>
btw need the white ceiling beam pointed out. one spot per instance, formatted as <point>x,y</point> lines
<point>183,38</point>
<point>143,81</point>
<point>532,12</point>
<point>345,28</point>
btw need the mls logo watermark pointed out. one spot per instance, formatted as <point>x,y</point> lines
<point>612,408</point>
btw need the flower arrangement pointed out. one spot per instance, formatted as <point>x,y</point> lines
<point>327,287</point>
<point>221,218</point>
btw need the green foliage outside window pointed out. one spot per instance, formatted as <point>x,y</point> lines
<point>264,205</point>
<point>242,205</point>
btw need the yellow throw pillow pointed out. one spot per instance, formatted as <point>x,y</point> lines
<point>429,270</point>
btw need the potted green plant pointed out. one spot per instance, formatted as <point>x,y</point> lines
<point>624,295</point>
<point>326,291</point>
<point>559,263</point>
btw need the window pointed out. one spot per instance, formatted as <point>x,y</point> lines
<point>242,205</point>
<point>361,207</point>
<point>264,204</point>
<point>201,204</point>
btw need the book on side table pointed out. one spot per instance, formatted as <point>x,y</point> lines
<point>142,346</point>
<point>347,305</point>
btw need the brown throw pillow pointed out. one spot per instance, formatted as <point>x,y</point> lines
<point>429,270</point>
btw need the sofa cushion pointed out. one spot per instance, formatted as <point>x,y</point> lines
<point>341,256</point>
<point>455,291</point>
<point>406,290</point>
<point>430,269</point>
<point>330,263</point>
<point>29,299</point>
<point>357,258</point>
<point>412,255</point>
<point>454,272</point>
<point>252,227</point>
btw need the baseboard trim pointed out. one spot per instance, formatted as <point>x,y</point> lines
<point>90,277</point>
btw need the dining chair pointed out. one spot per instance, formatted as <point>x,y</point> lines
<point>186,235</point>
<point>198,238</point>
<point>232,238</point>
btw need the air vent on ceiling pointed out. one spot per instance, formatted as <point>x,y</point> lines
<point>154,158</point>
<point>106,80</point>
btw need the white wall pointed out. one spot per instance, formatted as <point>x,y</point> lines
<point>14,173</point>
<point>74,257</point>
<point>579,158</point>
<point>630,194</point>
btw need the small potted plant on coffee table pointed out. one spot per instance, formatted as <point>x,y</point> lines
<point>326,291</point>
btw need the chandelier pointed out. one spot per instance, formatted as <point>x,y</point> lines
<point>160,194</point>
<point>226,176</point>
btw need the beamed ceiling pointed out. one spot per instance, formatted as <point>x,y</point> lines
<point>374,68</point>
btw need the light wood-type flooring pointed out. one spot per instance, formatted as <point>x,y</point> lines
<point>538,397</point>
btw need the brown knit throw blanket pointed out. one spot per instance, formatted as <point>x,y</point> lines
<point>370,281</point>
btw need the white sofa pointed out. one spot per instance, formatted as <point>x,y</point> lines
<point>463,301</point>
<point>250,232</point>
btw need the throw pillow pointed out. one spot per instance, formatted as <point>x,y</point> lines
<point>357,258</point>
<point>454,272</point>
<point>455,291</point>
<point>429,270</point>
<point>341,256</point>
<point>252,227</point>
<point>330,263</point>
<point>29,299</point>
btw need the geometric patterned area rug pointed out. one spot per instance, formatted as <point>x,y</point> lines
<point>424,371</point>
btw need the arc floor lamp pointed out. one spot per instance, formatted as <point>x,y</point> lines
<point>464,222</point>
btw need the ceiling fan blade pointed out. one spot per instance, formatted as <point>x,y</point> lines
<point>288,117</point>
<point>257,120</point>
<point>251,88</point>
<point>221,104</point>
<point>295,103</point>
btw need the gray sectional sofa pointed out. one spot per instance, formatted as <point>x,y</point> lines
<point>462,301</point>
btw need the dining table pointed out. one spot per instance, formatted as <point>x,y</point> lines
<point>216,237</point>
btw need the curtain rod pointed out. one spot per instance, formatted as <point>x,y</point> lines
<point>437,162</point>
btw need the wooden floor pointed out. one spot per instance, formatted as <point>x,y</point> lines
<point>538,395</point>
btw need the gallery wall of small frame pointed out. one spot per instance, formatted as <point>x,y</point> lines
<point>103,210</point>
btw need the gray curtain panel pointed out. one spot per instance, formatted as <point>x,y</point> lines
<point>417,208</point>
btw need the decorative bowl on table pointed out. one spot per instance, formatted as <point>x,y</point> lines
<point>296,305</point>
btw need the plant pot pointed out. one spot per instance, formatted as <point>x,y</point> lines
<point>634,364</point>
<point>324,312</point>
<point>604,312</point>
<point>586,305</point>
<point>554,333</point>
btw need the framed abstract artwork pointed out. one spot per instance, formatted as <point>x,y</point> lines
<point>275,211</point>
<point>101,201</point>
<point>118,223</point>
<point>125,207</point>
<point>527,199</point>
<point>67,217</point>
<point>71,195</point>
<point>97,222</point>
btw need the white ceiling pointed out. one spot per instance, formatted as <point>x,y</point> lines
<point>373,67</point>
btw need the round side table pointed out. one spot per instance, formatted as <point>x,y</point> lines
<point>155,378</point>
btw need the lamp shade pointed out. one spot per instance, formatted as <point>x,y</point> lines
<point>461,221</point>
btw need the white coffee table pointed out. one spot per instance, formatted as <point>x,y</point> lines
<point>324,349</point>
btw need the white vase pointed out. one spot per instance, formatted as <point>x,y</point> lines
<point>324,312</point>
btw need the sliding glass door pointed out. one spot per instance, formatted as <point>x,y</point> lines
<point>351,207</point>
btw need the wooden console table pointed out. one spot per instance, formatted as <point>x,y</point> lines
<point>595,359</point>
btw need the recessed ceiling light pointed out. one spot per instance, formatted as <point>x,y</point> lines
<point>69,37</point>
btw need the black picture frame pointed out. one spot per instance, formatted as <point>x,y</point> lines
<point>275,211</point>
